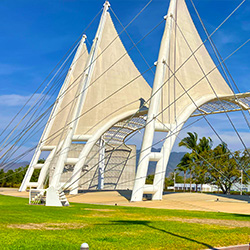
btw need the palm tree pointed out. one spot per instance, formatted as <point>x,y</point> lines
<point>184,166</point>
<point>190,142</point>
<point>196,158</point>
<point>205,144</point>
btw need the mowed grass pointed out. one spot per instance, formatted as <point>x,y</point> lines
<point>23,226</point>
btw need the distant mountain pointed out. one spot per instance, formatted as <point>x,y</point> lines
<point>15,165</point>
<point>174,160</point>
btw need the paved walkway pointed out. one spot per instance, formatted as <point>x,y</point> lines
<point>185,201</point>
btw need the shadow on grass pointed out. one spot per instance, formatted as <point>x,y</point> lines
<point>147,224</point>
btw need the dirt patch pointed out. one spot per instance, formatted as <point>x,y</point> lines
<point>47,226</point>
<point>99,210</point>
<point>96,215</point>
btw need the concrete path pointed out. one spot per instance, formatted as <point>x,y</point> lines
<point>184,201</point>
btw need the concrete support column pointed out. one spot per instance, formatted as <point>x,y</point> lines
<point>154,106</point>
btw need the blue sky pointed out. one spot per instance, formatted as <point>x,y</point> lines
<point>36,34</point>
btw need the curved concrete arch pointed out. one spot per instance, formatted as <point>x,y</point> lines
<point>174,129</point>
<point>166,149</point>
<point>91,142</point>
<point>171,138</point>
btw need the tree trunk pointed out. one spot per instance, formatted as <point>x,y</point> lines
<point>190,181</point>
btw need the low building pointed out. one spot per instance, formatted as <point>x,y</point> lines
<point>194,187</point>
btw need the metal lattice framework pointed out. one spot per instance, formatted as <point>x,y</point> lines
<point>233,103</point>
<point>121,130</point>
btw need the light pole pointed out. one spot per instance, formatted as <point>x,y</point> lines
<point>174,181</point>
<point>241,181</point>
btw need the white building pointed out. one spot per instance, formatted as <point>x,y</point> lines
<point>207,187</point>
<point>199,187</point>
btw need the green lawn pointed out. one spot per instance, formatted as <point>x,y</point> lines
<point>113,227</point>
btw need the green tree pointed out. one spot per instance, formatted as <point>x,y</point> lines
<point>184,166</point>
<point>190,142</point>
<point>224,167</point>
<point>197,165</point>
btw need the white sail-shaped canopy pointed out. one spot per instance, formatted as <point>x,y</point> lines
<point>107,94</point>
<point>67,97</point>
<point>190,77</point>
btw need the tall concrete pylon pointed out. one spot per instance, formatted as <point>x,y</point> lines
<point>180,87</point>
<point>54,131</point>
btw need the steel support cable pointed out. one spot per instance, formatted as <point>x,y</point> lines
<point>36,122</point>
<point>219,58</point>
<point>56,87</point>
<point>197,81</point>
<point>36,119</point>
<point>6,153</point>
<point>56,66</point>
<point>18,137</point>
<point>6,138</point>
<point>26,126</point>
<point>26,152</point>
<point>44,97</point>
<point>51,88</point>
<point>19,157</point>
<point>144,59</point>
<point>204,116</point>
<point>30,97</point>
<point>208,81</point>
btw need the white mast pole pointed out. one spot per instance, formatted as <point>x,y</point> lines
<point>154,106</point>
<point>77,109</point>
<point>101,164</point>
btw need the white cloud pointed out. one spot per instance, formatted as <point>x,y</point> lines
<point>18,100</point>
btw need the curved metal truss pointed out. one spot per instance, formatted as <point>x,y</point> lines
<point>226,104</point>
<point>118,133</point>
